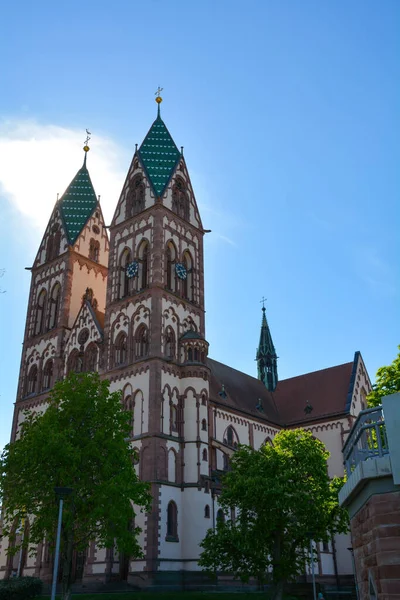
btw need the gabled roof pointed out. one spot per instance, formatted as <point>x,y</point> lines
<point>77,203</point>
<point>159,155</point>
<point>325,392</point>
<point>239,391</point>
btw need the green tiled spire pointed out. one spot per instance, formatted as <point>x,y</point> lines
<point>159,155</point>
<point>77,203</point>
<point>266,357</point>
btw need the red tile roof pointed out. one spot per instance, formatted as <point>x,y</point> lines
<point>326,392</point>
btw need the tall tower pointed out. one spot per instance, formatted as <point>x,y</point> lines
<point>155,339</point>
<point>72,256</point>
<point>266,357</point>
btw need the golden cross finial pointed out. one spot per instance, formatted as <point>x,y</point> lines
<point>263,300</point>
<point>86,147</point>
<point>158,97</point>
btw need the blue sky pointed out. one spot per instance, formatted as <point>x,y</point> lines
<point>289,115</point>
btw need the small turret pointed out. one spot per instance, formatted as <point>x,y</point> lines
<point>266,357</point>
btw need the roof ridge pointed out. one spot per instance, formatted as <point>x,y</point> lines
<point>317,371</point>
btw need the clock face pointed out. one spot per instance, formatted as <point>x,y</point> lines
<point>132,269</point>
<point>181,271</point>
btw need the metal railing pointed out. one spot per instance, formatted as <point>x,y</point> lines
<point>367,439</point>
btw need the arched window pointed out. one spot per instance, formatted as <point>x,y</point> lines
<point>53,243</point>
<point>174,418</point>
<point>204,425</point>
<point>124,281</point>
<point>75,362</point>
<point>205,457</point>
<point>172,470</point>
<point>190,355</point>
<point>204,400</point>
<point>172,522</point>
<point>40,312</point>
<point>226,462</point>
<point>120,350</point>
<point>141,342</point>
<point>90,359</point>
<point>32,380</point>
<point>196,354</point>
<point>143,259</point>
<point>47,375</point>
<point>129,407</point>
<point>54,305</point>
<point>206,512</point>
<point>94,250</point>
<point>170,344</point>
<point>187,283</point>
<point>180,199</point>
<point>135,200</point>
<point>230,437</point>
<point>170,273</point>
<point>220,516</point>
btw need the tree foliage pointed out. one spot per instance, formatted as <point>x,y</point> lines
<point>284,498</point>
<point>387,382</point>
<point>79,442</point>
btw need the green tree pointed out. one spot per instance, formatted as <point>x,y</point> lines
<point>79,442</point>
<point>387,382</point>
<point>284,499</point>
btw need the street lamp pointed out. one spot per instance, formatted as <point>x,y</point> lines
<point>61,492</point>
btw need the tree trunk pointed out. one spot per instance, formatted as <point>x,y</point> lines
<point>67,567</point>
<point>277,593</point>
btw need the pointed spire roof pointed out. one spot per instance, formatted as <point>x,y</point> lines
<point>266,346</point>
<point>77,203</point>
<point>159,155</point>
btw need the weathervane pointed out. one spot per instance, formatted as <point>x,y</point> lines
<point>158,98</point>
<point>263,300</point>
<point>86,147</point>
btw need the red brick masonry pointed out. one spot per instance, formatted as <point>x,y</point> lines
<point>376,541</point>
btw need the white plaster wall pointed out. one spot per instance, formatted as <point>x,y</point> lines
<point>140,385</point>
<point>171,549</point>
<point>331,435</point>
<point>327,567</point>
<point>195,525</point>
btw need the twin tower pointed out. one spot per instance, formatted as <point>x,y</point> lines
<point>131,306</point>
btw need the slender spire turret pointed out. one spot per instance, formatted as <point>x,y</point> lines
<point>266,356</point>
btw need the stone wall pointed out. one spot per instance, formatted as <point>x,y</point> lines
<point>376,541</point>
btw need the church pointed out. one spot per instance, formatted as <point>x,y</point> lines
<point>128,301</point>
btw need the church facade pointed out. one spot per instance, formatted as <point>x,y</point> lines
<point>129,303</point>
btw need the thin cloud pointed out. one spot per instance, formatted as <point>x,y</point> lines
<point>38,161</point>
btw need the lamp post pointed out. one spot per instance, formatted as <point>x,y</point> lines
<point>61,492</point>
<point>313,569</point>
